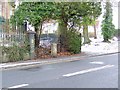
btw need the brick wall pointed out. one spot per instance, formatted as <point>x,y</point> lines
<point>5,9</point>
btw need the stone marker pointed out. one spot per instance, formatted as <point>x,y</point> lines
<point>54,50</point>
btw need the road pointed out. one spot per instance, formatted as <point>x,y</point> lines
<point>92,72</point>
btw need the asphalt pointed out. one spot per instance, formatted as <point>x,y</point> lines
<point>32,63</point>
<point>51,76</point>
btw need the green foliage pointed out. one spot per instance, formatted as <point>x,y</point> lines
<point>108,29</point>
<point>15,52</point>
<point>96,9</point>
<point>74,42</point>
<point>33,12</point>
<point>76,13</point>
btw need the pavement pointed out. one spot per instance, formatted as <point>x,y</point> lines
<point>90,72</point>
<point>96,48</point>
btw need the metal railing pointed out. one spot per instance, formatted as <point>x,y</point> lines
<point>8,40</point>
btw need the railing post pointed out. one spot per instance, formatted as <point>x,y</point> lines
<point>32,43</point>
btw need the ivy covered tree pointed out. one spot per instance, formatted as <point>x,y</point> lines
<point>108,29</point>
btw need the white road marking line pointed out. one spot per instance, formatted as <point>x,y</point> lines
<point>88,70</point>
<point>96,62</point>
<point>18,86</point>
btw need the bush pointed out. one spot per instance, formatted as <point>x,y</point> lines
<point>74,42</point>
<point>15,52</point>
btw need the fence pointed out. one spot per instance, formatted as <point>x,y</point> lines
<point>15,45</point>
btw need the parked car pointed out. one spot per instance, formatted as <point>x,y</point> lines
<point>45,42</point>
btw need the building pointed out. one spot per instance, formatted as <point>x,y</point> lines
<point>5,13</point>
<point>5,10</point>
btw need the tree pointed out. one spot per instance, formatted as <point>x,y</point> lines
<point>85,22</point>
<point>87,19</point>
<point>96,11</point>
<point>35,13</point>
<point>65,12</point>
<point>108,28</point>
<point>76,14</point>
<point>92,10</point>
<point>69,15</point>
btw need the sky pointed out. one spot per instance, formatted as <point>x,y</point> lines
<point>116,10</point>
<point>115,16</point>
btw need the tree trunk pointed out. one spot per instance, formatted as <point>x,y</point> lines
<point>85,33</point>
<point>38,31</point>
<point>37,41</point>
<point>63,35</point>
<point>36,37</point>
<point>106,39</point>
<point>95,34</point>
